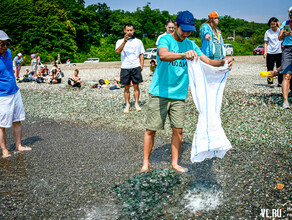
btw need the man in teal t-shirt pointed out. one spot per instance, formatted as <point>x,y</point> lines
<point>286,66</point>
<point>169,86</point>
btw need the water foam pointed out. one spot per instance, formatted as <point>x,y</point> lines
<point>203,197</point>
<point>105,212</point>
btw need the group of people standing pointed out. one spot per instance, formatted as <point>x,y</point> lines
<point>278,49</point>
<point>11,105</point>
<point>169,85</point>
<point>18,61</point>
<point>132,53</point>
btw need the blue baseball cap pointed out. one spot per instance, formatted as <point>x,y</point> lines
<point>186,21</point>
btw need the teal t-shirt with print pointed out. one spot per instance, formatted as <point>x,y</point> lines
<point>170,79</point>
<point>287,40</point>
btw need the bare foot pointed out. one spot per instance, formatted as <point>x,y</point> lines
<point>145,168</point>
<point>23,148</point>
<point>179,169</point>
<point>5,154</point>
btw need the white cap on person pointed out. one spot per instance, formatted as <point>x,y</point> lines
<point>19,54</point>
<point>4,36</point>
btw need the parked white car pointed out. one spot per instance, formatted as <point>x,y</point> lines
<point>230,38</point>
<point>229,49</point>
<point>150,53</point>
<point>92,60</point>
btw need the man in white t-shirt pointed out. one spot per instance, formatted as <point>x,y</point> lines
<point>132,58</point>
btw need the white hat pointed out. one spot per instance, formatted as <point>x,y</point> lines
<point>290,9</point>
<point>19,54</point>
<point>4,36</point>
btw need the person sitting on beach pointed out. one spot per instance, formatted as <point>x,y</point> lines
<point>75,81</point>
<point>152,67</point>
<point>60,75</point>
<point>27,72</point>
<point>54,79</point>
<point>60,72</point>
<point>117,83</point>
<point>27,76</point>
<point>39,78</point>
<point>54,67</point>
<point>44,70</point>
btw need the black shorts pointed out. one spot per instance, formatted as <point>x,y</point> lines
<point>128,75</point>
<point>75,84</point>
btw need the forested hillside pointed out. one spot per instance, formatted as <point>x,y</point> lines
<point>78,32</point>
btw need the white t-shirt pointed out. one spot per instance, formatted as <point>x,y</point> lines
<point>131,52</point>
<point>274,45</point>
<point>160,37</point>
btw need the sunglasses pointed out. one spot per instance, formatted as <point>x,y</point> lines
<point>290,12</point>
<point>5,44</point>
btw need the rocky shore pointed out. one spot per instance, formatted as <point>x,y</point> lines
<point>87,154</point>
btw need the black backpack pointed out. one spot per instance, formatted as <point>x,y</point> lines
<point>101,82</point>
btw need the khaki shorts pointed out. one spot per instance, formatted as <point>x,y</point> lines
<point>157,110</point>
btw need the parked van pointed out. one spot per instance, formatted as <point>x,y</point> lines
<point>150,53</point>
<point>229,49</point>
<point>92,60</point>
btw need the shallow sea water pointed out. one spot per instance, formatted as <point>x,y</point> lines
<point>83,146</point>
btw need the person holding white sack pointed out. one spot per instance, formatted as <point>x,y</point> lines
<point>207,85</point>
<point>169,86</point>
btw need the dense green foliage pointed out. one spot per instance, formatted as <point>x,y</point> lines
<point>77,32</point>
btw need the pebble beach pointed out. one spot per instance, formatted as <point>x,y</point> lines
<point>86,153</point>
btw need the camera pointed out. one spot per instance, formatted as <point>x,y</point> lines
<point>131,36</point>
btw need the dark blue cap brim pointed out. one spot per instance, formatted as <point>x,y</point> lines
<point>185,27</point>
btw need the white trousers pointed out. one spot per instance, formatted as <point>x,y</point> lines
<point>207,85</point>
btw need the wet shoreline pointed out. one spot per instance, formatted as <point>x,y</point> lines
<point>83,146</point>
